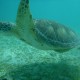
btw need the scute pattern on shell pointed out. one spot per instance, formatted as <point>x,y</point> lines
<point>55,34</point>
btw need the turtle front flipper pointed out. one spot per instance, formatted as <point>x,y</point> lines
<point>24,21</point>
<point>25,26</point>
<point>24,17</point>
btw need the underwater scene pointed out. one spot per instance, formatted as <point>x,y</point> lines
<point>39,40</point>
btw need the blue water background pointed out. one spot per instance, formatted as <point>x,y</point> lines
<point>66,12</point>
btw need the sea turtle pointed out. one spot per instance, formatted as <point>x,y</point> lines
<point>42,34</point>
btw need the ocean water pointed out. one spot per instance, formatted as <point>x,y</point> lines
<point>60,66</point>
<point>66,12</point>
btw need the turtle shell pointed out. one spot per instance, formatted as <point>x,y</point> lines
<point>57,35</point>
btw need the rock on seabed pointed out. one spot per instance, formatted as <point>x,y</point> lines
<point>20,61</point>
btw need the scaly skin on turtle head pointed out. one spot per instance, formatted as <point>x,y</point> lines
<point>8,28</point>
